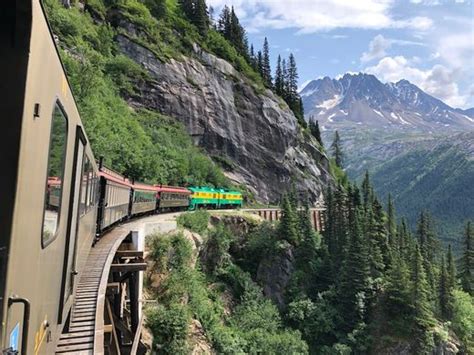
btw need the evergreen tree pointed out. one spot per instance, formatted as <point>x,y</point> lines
<point>422,310</point>
<point>288,229</point>
<point>266,69</point>
<point>397,294</point>
<point>391,223</point>
<point>336,150</point>
<point>223,24</point>
<point>284,75</point>
<point>443,290</point>
<point>201,17</point>
<point>366,190</point>
<point>157,8</point>
<point>467,261</point>
<point>451,269</point>
<point>315,131</point>
<point>196,12</point>
<point>354,282</point>
<point>279,80</point>
<point>187,6</point>
<point>253,59</point>
<point>260,63</point>
<point>238,37</point>
<point>309,238</point>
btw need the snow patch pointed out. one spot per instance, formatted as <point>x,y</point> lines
<point>328,104</point>
<point>331,116</point>
<point>468,118</point>
<point>379,113</point>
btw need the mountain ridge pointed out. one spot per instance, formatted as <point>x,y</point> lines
<point>362,99</point>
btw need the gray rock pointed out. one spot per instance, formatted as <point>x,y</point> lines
<point>274,275</point>
<point>230,117</point>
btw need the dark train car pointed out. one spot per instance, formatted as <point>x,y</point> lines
<point>114,200</point>
<point>143,199</point>
<point>172,198</point>
<point>48,185</point>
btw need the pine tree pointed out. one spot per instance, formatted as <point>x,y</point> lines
<point>353,287</point>
<point>260,63</point>
<point>157,8</point>
<point>253,58</point>
<point>443,290</point>
<point>467,261</point>
<point>309,238</point>
<point>237,34</point>
<point>315,131</point>
<point>196,12</point>
<point>397,293</point>
<point>284,74</point>
<point>422,310</point>
<point>279,80</point>
<point>391,223</point>
<point>188,7</point>
<point>451,269</point>
<point>223,24</point>
<point>266,69</point>
<point>201,17</point>
<point>336,150</point>
<point>366,190</point>
<point>288,229</point>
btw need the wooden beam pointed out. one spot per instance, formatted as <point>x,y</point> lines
<point>128,267</point>
<point>129,253</point>
<point>113,288</point>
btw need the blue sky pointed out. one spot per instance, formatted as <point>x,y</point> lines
<point>428,42</point>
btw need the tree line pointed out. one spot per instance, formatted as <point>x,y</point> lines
<point>370,276</point>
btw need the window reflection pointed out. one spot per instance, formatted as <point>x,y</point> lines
<point>56,159</point>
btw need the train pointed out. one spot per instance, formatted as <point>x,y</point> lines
<point>56,199</point>
<point>120,199</point>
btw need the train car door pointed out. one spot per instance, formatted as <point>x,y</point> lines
<point>69,270</point>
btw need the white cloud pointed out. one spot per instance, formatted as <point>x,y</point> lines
<point>377,49</point>
<point>379,45</point>
<point>458,49</point>
<point>438,80</point>
<point>309,16</point>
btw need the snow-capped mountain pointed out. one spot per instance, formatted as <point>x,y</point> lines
<point>362,100</point>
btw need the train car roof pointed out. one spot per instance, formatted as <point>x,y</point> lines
<point>175,189</point>
<point>203,189</point>
<point>115,178</point>
<point>143,186</point>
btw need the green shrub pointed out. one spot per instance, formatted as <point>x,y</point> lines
<point>463,319</point>
<point>169,326</point>
<point>194,221</point>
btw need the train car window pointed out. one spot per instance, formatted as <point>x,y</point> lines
<point>84,187</point>
<point>55,177</point>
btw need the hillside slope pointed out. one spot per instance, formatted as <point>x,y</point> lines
<point>165,67</point>
<point>422,172</point>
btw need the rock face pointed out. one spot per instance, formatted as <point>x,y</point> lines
<point>233,120</point>
<point>274,275</point>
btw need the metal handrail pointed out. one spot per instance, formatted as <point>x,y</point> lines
<point>26,319</point>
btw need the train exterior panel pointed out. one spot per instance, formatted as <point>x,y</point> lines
<point>203,197</point>
<point>43,139</point>
<point>230,199</point>
<point>114,201</point>
<point>172,197</point>
<point>143,199</point>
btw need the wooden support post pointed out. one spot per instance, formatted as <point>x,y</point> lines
<point>133,292</point>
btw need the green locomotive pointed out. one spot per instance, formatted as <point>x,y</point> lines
<point>208,197</point>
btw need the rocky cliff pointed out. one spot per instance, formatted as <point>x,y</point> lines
<point>247,127</point>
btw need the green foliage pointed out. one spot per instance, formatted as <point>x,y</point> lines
<point>463,319</point>
<point>195,221</point>
<point>169,326</point>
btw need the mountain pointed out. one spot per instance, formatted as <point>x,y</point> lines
<point>422,172</point>
<point>362,100</point>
